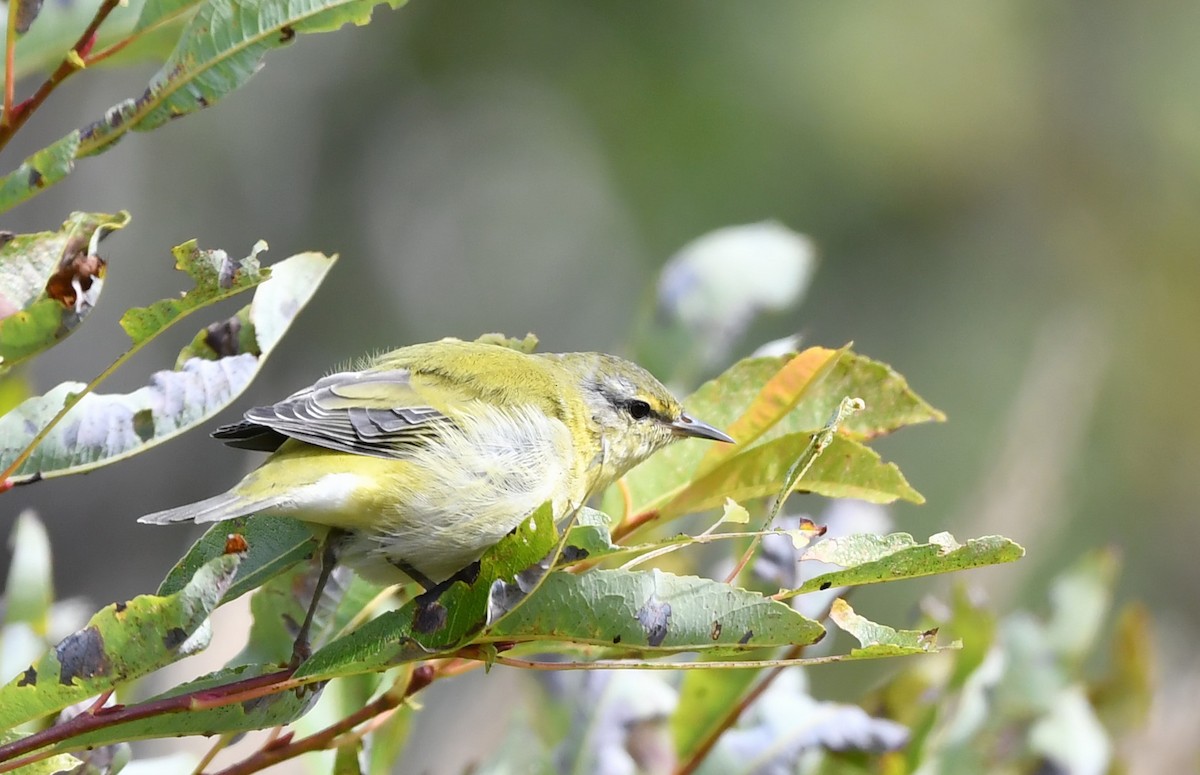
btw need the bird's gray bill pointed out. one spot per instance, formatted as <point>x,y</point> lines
<point>690,427</point>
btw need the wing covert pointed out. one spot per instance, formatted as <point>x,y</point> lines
<point>376,413</point>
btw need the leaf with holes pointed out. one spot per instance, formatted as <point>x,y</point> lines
<point>103,428</point>
<point>122,642</point>
<point>49,282</point>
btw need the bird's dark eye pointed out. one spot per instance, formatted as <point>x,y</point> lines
<point>638,409</point>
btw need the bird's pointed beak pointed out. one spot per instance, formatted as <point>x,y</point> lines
<point>689,427</point>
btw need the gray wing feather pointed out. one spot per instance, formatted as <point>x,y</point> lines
<point>365,413</point>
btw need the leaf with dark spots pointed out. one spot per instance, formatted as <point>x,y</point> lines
<point>742,641</point>
<point>675,613</point>
<point>867,558</point>
<point>27,11</point>
<point>655,618</point>
<point>120,607</point>
<point>716,630</point>
<point>42,169</point>
<point>118,647</point>
<point>81,655</point>
<point>174,638</point>
<point>28,678</point>
<point>103,428</point>
<point>49,282</point>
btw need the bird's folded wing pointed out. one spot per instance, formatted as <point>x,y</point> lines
<point>376,413</point>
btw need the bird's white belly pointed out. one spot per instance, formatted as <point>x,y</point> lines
<point>476,485</point>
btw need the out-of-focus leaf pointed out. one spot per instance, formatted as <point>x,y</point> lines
<point>259,713</point>
<point>705,698</point>
<point>101,429</point>
<point>1081,597</point>
<point>787,721</point>
<point>653,611</point>
<point>274,544</point>
<point>619,721</point>
<point>158,13</point>
<point>418,630</point>
<point>1122,700</point>
<point>1070,736</point>
<point>712,289</point>
<point>218,51</point>
<point>14,388</point>
<point>49,282</point>
<point>527,344</point>
<point>29,592</point>
<point>845,469</point>
<point>39,171</point>
<point>871,559</point>
<point>388,739</point>
<point>122,642</point>
<point>879,639</point>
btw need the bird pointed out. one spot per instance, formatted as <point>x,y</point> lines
<point>421,458</point>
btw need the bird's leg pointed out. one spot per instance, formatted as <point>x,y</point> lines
<point>302,649</point>
<point>430,615</point>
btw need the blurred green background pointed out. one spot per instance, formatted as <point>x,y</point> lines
<point>1003,198</point>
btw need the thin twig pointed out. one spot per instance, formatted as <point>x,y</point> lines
<point>10,59</point>
<point>214,749</point>
<point>731,716</point>
<point>286,748</point>
<point>13,120</point>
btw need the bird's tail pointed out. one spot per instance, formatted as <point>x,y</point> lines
<point>224,506</point>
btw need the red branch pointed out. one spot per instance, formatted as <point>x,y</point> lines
<point>15,118</point>
<point>284,748</point>
<point>238,691</point>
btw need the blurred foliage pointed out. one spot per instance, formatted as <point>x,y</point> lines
<point>977,178</point>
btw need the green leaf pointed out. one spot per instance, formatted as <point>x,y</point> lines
<point>220,48</point>
<point>417,632</point>
<point>216,276</point>
<point>274,544</point>
<point>879,640</point>
<point>41,170</point>
<point>871,559</point>
<point>30,589</point>
<point>159,13</point>
<point>49,282</point>
<point>653,611</point>
<point>890,403</point>
<point>845,469</point>
<point>103,428</point>
<point>705,698</point>
<point>122,642</point>
<point>775,401</point>
<point>259,713</point>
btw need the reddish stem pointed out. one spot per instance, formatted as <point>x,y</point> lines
<point>14,119</point>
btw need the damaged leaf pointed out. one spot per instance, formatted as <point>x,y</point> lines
<point>653,611</point>
<point>49,282</point>
<point>867,558</point>
<point>103,428</point>
<point>122,642</point>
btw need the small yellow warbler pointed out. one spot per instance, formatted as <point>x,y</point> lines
<point>430,454</point>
